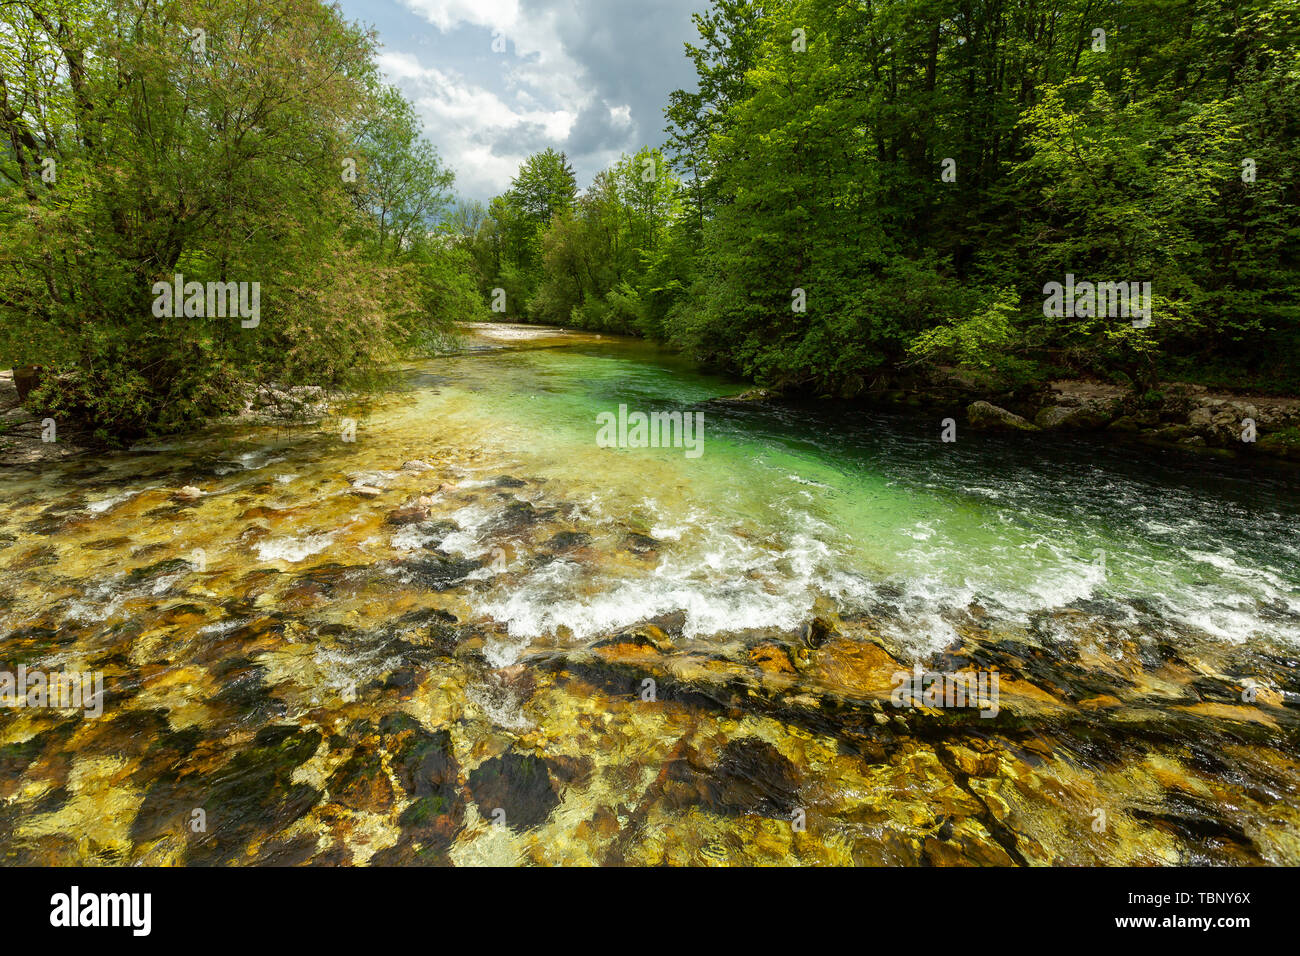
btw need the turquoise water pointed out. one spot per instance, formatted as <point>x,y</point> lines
<point>284,619</point>
<point>787,505</point>
<point>785,509</point>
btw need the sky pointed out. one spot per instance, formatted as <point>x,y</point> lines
<point>496,80</point>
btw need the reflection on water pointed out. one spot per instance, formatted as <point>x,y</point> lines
<point>358,651</point>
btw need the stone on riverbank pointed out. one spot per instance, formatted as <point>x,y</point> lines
<point>986,417</point>
<point>1087,417</point>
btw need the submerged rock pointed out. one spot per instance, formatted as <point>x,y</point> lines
<point>772,658</point>
<point>641,544</point>
<point>517,515</point>
<point>159,569</point>
<point>244,695</point>
<point>361,783</point>
<point>519,784</point>
<point>440,572</point>
<point>424,764</point>
<point>634,642</point>
<point>816,632</point>
<point>854,668</point>
<point>36,558</point>
<point>253,794</point>
<point>750,777</point>
<point>566,540</point>
<point>408,515</point>
<point>986,417</point>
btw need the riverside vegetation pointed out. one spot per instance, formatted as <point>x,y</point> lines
<point>856,200</point>
<point>364,586</point>
<point>879,197</point>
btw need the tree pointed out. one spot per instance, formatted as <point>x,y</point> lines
<point>404,194</point>
<point>544,188</point>
<point>206,138</point>
<point>596,257</point>
<point>404,189</point>
<point>873,182</point>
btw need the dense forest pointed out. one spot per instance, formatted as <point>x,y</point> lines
<point>856,189</point>
<point>853,192</point>
<point>261,147</point>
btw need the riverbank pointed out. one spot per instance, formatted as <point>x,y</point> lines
<point>1182,416</point>
<point>1178,415</point>
<point>28,439</point>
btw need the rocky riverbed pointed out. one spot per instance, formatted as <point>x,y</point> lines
<point>1179,415</point>
<point>353,709</point>
<point>319,652</point>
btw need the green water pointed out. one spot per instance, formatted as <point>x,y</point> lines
<point>784,505</point>
<point>465,559</point>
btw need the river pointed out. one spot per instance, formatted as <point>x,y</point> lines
<point>466,632</point>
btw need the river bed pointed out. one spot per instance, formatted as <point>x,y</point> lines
<point>465,632</point>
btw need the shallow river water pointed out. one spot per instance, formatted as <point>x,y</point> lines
<point>473,634</point>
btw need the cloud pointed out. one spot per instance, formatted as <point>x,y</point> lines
<point>600,126</point>
<point>472,126</point>
<point>446,14</point>
<point>589,77</point>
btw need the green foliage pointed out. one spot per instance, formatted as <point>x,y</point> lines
<point>863,188</point>
<point>986,340</point>
<point>582,261</point>
<point>819,165</point>
<point>135,150</point>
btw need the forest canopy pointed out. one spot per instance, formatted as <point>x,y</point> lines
<point>223,142</point>
<point>854,190</point>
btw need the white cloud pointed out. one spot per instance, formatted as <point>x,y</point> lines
<point>533,35</point>
<point>585,76</point>
<point>464,120</point>
<point>448,14</point>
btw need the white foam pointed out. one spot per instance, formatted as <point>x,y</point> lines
<point>470,520</point>
<point>293,550</point>
<point>98,603</point>
<point>373,479</point>
<point>112,501</point>
<point>498,705</point>
<point>412,538</point>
